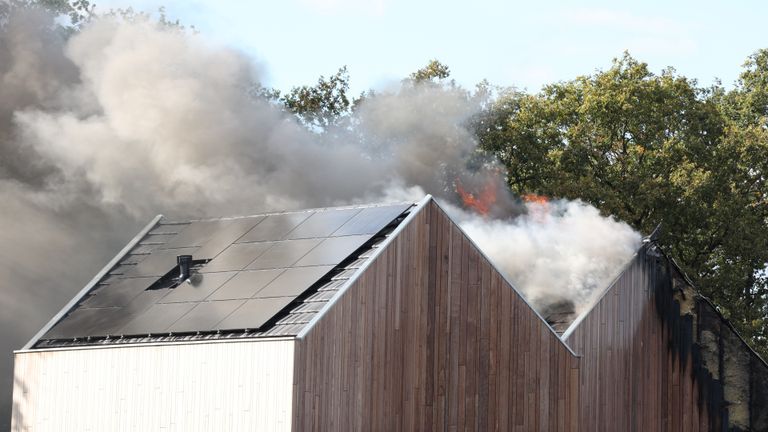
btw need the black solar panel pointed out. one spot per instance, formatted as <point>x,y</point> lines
<point>222,239</point>
<point>198,288</point>
<point>206,315</point>
<point>332,250</point>
<point>245,284</point>
<point>293,281</point>
<point>322,223</point>
<point>275,227</point>
<point>157,318</point>
<point>159,262</point>
<point>258,265</point>
<point>254,313</point>
<point>283,254</point>
<point>370,220</point>
<point>119,293</point>
<point>195,234</point>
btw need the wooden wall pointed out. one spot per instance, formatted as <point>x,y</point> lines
<point>431,337</point>
<point>633,375</point>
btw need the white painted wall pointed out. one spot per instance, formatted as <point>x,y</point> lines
<point>212,386</point>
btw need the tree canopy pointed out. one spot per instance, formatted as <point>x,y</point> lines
<point>653,149</point>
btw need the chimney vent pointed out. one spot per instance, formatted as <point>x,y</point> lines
<point>185,263</point>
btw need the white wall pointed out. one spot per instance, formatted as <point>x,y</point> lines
<point>213,386</point>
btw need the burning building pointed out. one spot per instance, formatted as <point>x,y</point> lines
<point>374,318</point>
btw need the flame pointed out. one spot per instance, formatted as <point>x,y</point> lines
<point>483,202</point>
<point>535,199</point>
<point>538,207</point>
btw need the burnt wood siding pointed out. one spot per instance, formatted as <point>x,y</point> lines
<point>633,376</point>
<point>431,337</point>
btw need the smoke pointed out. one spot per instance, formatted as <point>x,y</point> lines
<point>125,120</point>
<point>559,251</point>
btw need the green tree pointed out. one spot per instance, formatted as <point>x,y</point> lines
<point>655,148</point>
<point>321,106</point>
<point>433,72</point>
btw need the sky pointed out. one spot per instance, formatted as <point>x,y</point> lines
<point>521,44</point>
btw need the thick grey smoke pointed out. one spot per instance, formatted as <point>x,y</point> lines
<point>557,251</point>
<point>127,120</point>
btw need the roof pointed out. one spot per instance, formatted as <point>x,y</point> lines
<point>255,276</point>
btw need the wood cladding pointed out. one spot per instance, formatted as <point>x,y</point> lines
<point>431,337</point>
<point>630,379</point>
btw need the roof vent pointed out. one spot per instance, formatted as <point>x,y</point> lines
<point>185,264</point>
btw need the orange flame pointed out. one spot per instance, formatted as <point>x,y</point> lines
<point>540,208</point>
<point>483,202</point>
<point>535,199</point>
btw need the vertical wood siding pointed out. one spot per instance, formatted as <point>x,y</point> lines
<point>431,337</point>
<point>229,386</point>
<point>631,377</point>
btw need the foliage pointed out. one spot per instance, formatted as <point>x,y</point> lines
<point>650,148</point>
<point>318,107</point>
<point>432,72</point>
<point>78,12</point>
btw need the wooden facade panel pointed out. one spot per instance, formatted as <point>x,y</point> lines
<point>630,379</point>
<point>444,344</point>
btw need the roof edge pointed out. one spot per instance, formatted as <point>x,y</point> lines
<point>154,344</point>
<point>575,323</point>
<point>330,303</point>
<point>136,239</point>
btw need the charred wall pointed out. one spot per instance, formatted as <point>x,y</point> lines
<point>732,377</point>
<point>629,378</point>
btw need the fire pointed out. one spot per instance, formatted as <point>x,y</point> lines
<point>535,199</point>
<point>538,207</point>
<point>483,202</point>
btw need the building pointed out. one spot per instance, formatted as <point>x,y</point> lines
<point>373,318</point>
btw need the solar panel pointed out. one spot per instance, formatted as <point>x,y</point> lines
<point>226,236</point>
<point>159,262</point>
<point>245,284</point>
<point>322,223</point>
<point>275,227</point>
<point>119,293</point>
<point>205,316</point>
<point>254,313</point>
<point>236,257</point>
<point>199,287</point>
<point>258,266</point>
<point>332,250</point>
<point>89,322</point>
<point>293,281</point>
<point>196,234</point>
<point>371,220</point>
<point>283,254</point>
<point>157,318</point>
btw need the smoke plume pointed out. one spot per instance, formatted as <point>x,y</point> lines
<point>125,120</point>
<point>558,251</point>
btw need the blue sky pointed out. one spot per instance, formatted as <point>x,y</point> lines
<point>509,43</point>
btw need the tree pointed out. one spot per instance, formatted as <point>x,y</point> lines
<point>321,106</point>
<point>434,71</point>
<point>655,148</point>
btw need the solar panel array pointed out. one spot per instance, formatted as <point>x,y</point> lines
<point>248,271</point>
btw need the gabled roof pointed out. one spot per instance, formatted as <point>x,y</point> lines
<point>255,276</point>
